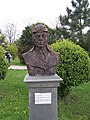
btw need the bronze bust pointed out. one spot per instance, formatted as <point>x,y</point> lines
<point>41,60</point>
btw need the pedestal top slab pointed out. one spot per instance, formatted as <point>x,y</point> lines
<point>42,81</point>
<point>50,78</point>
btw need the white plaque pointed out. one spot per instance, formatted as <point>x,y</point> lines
<point>42,98</point>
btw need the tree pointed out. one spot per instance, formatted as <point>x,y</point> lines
<point>25,43</point>
<point>87,43</point>
<point>10,32</point>
<point>53,35</point>
<point>74,23</point>
<point>2,39</point>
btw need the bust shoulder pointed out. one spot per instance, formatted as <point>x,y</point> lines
<point>27,56</point>
<point>53,52</point>
<point>55,56</point>
<point>30,52</point>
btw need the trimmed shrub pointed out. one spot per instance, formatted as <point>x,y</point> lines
<point>3,64</point>
<point>73,67</point>
<point>13,50</point>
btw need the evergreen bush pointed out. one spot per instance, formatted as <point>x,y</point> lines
<point>73,67</point>
<point>13,50</point>
<point>25,42</point>
<point>3,64</point>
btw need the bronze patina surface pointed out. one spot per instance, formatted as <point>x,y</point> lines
<point>41,60</point>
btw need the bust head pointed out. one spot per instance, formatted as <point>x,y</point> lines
<point>40,35</point>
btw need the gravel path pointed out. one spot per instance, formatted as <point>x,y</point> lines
<point>15,67</point>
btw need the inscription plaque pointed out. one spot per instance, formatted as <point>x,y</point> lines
<point>42,98</point>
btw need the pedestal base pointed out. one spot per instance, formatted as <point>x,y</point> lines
<point>43,97</point>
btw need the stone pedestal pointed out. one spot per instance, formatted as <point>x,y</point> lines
<point>43,97</point>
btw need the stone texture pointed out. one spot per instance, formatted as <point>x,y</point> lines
<point>43,84</point>
<point>43,111</point>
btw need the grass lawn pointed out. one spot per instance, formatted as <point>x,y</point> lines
<point>76,106</point>
<point>14,99</point>
<point>14,96</point>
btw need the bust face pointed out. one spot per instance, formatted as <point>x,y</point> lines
<point>40,39</point>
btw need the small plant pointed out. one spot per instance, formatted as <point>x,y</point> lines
<point>74,65</point>
<point>3,64</point>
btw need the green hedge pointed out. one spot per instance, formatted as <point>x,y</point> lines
<point>13,50</point>
<point>3,64</point>
<point>74,65</point>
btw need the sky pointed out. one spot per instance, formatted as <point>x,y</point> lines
<point>25,12</point>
